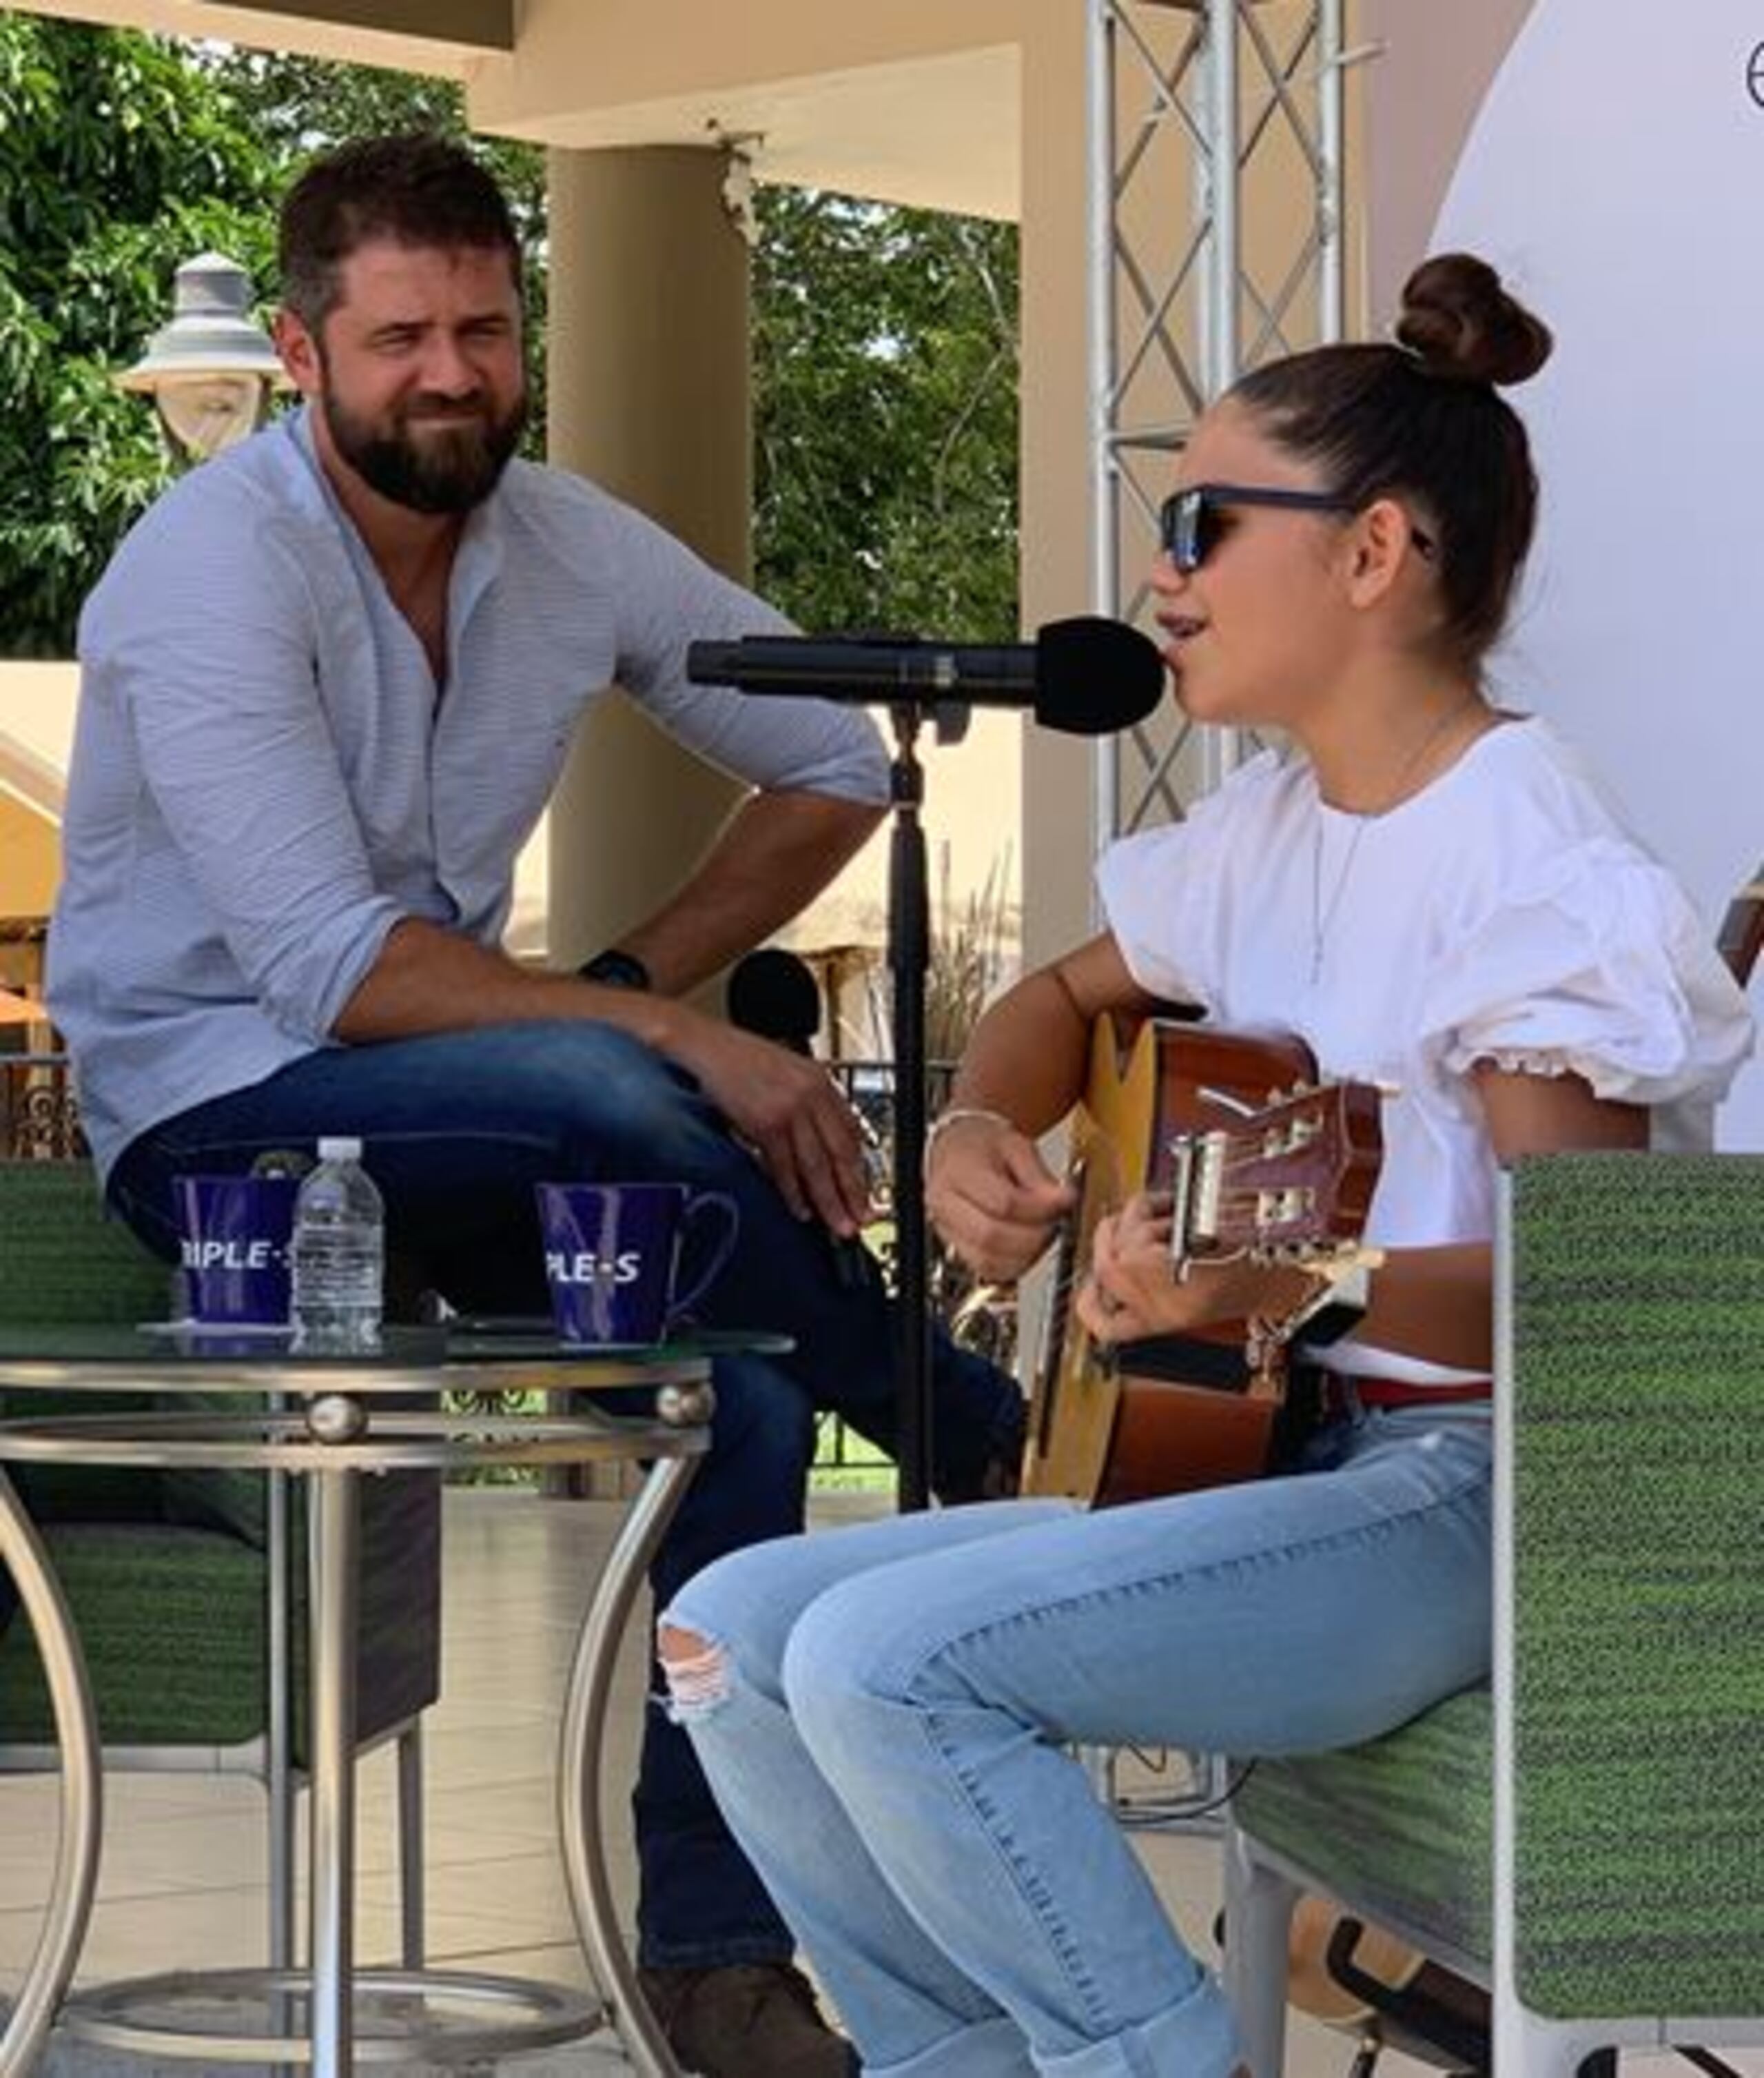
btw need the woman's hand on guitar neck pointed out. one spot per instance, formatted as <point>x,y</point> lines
<point>989,1195</point>
<point>1131,1291</point>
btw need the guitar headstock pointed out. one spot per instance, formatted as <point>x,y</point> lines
<point>1288,1182</point>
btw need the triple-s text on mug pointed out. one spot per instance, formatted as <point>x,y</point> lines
<point>229,1254</point>
<point>625,1268</point>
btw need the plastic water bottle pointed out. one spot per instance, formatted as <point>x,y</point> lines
<point>338,1254</point>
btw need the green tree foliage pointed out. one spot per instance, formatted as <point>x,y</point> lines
<point>886,402</point>
<point>118,160</point>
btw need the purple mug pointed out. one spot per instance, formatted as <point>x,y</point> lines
<point>614,1254</point>
<point>232,1247</point>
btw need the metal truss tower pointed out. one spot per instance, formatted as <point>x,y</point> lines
<point>1217,240</point>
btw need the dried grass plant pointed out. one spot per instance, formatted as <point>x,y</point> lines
<point>975,951</point>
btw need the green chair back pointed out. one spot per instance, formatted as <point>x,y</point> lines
<point>1634,1369</point>
<point>61,1259</point>
<point>1638,1586</point>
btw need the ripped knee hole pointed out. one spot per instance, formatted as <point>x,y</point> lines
<point>697,1670</point>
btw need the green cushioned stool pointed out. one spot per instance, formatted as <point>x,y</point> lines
<point>168,1575</point>
<point>1586,1839</point>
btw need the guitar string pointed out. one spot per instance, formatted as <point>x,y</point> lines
<point>1242,1150</point>
<point>1068,1276</point>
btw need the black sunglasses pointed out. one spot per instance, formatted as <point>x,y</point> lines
<point>1191,524</point>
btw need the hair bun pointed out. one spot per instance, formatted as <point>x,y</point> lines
<point>1462,325</point>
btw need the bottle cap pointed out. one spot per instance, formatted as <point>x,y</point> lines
<point>339,1147</point>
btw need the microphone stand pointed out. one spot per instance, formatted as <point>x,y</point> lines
<point>909,961</point>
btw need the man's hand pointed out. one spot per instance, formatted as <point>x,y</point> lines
<point>991,1196</point>
<point>787,1109</point>
<point>808,1138</point>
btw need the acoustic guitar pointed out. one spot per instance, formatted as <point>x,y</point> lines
<point>1258,1157</point>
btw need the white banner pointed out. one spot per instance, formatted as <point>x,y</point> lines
<point>1613,174</point>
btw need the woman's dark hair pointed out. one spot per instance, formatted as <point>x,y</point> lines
<point>415,190</point>
<point>1420,418</point>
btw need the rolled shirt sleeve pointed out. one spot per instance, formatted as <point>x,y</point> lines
<point>668,600</point>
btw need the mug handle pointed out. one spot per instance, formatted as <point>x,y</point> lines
<point>723,1207</point>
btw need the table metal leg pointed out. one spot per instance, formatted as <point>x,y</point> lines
<point>413,1938</point>
<point>279,1733</point>
<point>82,1801</point>
<point>580,1765</point>
<point>336,1501</point>
<point>278,1738</point>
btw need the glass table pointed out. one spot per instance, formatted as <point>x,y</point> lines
<point>330,1419</point>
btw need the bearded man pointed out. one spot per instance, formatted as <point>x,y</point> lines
<point>328,684</point>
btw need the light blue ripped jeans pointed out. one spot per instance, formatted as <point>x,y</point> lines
<point>884,1713</point>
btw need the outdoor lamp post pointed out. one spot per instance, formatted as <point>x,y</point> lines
<point>210,370</point>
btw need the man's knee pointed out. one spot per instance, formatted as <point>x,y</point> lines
<point>605,1086</point>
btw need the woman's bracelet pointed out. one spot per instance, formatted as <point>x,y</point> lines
<point>960,1115</point>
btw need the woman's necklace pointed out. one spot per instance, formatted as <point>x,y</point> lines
<point>1323,913</point>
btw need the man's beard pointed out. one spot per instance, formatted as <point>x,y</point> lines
<point>445,470</point>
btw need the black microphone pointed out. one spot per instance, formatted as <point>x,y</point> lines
<point>1088,676</point>
<point>774,994</point>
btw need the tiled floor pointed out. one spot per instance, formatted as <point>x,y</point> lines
<point>182,1882</point>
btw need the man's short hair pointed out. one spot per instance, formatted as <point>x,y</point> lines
<point>417,189</point>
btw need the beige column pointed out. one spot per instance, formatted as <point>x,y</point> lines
<point>648,362</point>
<point>1058,842</point>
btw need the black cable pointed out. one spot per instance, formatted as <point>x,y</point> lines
<point>1225,1795</point>
<point>1128,1819</point>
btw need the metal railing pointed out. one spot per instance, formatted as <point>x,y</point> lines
<point>40,1117</point>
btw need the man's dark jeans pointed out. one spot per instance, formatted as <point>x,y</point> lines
<point>457,1129</point>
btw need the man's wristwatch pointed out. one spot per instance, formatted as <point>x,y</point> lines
<point>613,968</point>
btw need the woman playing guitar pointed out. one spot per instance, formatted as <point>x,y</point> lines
<point>1428,890</point>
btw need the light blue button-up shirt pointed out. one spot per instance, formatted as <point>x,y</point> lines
<point>263,781</point>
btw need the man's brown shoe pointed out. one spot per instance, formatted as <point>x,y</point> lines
<point>746,2020</point>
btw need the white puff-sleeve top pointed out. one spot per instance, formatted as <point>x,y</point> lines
<point>1503,914</point>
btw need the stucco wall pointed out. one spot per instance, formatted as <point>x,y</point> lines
<point>36,733</point>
